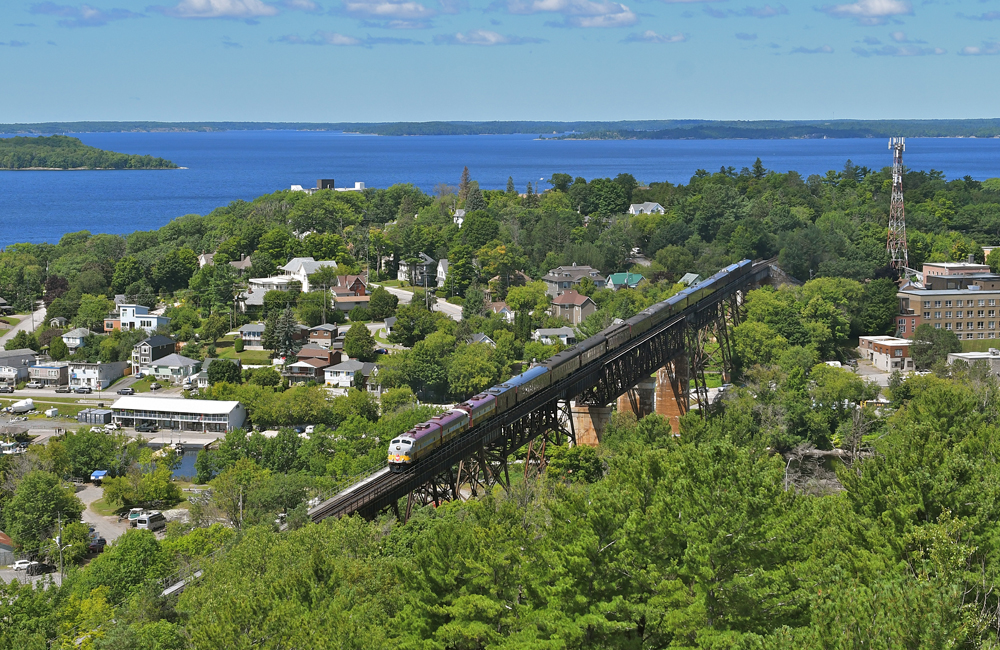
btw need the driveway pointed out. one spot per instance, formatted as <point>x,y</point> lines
<point>451,311</point>
<point>107,527</point>
<point>28,323</point>
<point>9,575</point>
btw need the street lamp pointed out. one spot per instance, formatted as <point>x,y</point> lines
<point>61,549</point>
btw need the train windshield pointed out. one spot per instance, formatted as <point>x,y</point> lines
<point>394,442</point>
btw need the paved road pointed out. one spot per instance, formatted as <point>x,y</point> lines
<point>108,527</point>
<point>25,324</point>
<point>9,575</point>
<point>452,311</point>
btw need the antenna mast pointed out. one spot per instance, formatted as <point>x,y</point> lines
<point>897,218</point>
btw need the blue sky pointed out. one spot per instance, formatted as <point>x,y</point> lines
<point>387,60</point>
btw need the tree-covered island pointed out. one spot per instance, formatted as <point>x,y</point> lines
<point>61,152</point>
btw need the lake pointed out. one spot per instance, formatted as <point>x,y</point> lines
<point>37,206</point>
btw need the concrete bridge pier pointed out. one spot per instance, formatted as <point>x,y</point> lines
<point>640,399</point>
<point>589,423</point>
<point>672,387</point>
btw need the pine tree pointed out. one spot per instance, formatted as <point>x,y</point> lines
<point>463,185</point>
<point>511,190</point>
<point>285,330</point>
<point>530,199</point>
<point>475,200</point>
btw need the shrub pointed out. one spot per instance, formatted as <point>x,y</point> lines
<point>359,314</point>
<point>238,344</point>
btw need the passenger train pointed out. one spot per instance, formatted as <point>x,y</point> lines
<point>424,438</point>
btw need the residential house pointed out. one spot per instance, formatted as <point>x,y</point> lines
<point>645,208</point>
<point>417,270</point>
<point>313,351</point>
<point>564,278</point>
<point>502,310</point>
<point>689,279</point>
<point>74,339</point>
<point>323,335</point>
<point>887,353</point>
<point>442,272</point>
<point>389,324</point>
<point>328,184</point>
<point>133,317</point>
<point>5,307</point>
<point>355,285</point>
<point>553,335</point>
<point>252,335</point>
<point>479,337</point>
<point>58,321</point>
<point>347,303</point>
<point>349,373</point>
<point>206,259</point>
<point>300,268</point>
<point>54,373</point>
<point>149,350</point>
<point>305,370</point>
<point>573,306</point>
<point>174,368</point>
<point>14,365</point>
<point>242,265</point>
<point>95,375</point>
<point>459,217</point>
<point>618,281</point>
<point>200,380</point>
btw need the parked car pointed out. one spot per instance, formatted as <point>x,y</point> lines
<point>38,568</point>
<point>146,428</point>
<point>6,389</point>
<point>21,565</point>
<point>63,389</point>
<point>84,390</point>
<point>97,545</point>
<point>138,375</point>
<point>126,391</point>
<point>33,384</point>
<point>155,386</point>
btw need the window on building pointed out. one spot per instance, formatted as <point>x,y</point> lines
<point>927,315</point>
<point>899,353</point>
<point>958,326</point>
<point>993,302</point>
<point>968,336</point>
<point>902,329</point>
<point>979,325</point>
<point>947,326</point>
<point>937,303</point>
<point>958,303</point>
<point>937,326</point>
<point>947,314</point>
<point>982,302</point>
<point>980,335</point>
<point>947,303</point>
<point>927,303</point>
<point>980,313</point>
<point>937,314</point>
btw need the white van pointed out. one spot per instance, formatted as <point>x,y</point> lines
<point>151,521</point>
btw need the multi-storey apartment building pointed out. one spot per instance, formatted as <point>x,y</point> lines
<point>971,313</point>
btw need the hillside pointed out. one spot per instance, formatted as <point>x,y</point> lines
<point>64,152</point>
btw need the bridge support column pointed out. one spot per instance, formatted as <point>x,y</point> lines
<point>589,423</point>
<point>640,399</point>
<point>672,391</point>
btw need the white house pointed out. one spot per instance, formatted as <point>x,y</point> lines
<point>300,268</point>
<point>74,338</point>
<point>416,270</point>
<point>252,335</point>
<point>645,208</point>
<point>134,317</point>
<point>458,218</point>
<point>95,375</point>
<point>14,365</point>
<point>342,375</point>
<point>553,335</point>
<point>442,272</point>
<point>502,310</point>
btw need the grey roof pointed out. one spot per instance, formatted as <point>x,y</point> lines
<point>690,278</point>
<point>253,327</point>
<point>78,333</point>
<point>307,264</point>
<point>329,327</point>
<point>353,365</point>
<point>242,264</point>
<point>460,212</point>
<point>573,273</point>
<point>174,360</point>
<point>389,322</point>
<point>556,331</point>
<point>479,337</point>
<point>647,207</point>
<point>19,353</point>
<point>157,341</point>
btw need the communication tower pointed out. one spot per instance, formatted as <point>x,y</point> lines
<point>897,218</point>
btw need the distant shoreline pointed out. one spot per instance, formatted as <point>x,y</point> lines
<point>576,130</point>
<point>86,169</point>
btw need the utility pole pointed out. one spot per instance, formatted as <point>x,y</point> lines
<point>896,244</point>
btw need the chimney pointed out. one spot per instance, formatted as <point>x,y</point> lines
<point>972,258</point>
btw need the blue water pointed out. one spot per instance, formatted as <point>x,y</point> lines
<point>222,167</point>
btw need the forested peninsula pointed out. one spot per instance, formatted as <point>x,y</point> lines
<point>60,152</point>
<point>621,129</point>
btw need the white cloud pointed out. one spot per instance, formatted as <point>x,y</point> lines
<point>388,9</point>
<point>822,49</point>
<point>870,12</point>
<point>578,13</point>
<point>898,50</point>
<point>483,37</point>
<point>649,36</point>
<point>241,9</point>
<point>300,5</point>
<point>986,49</point>
<point>82,15</point>
<point>322,38</point>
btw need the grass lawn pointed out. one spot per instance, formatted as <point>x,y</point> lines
<point>224,350</point>
<point>142,385</point>
<point>102,508</point>
<point>983,345</point>
<point>390,283</point>
<point>381,339</point>
<point>9,321</point>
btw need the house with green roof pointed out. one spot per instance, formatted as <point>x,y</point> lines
<point>618,281</point>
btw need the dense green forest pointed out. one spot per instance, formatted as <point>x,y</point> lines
<point>651,129</point>
<point>63,152</point>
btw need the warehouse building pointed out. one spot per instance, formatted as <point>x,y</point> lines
<point>179,414</point>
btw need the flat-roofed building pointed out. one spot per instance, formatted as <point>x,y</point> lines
<point>179,414</point>
<point>54,373</point>
<point>14,365</point>
<point>953,268</point>
<point>991,358</point>
<point>95,375</point>
<point>887,353</point>
<point>970,313</point>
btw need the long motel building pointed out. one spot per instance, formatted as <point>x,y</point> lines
<point>971,310</point>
